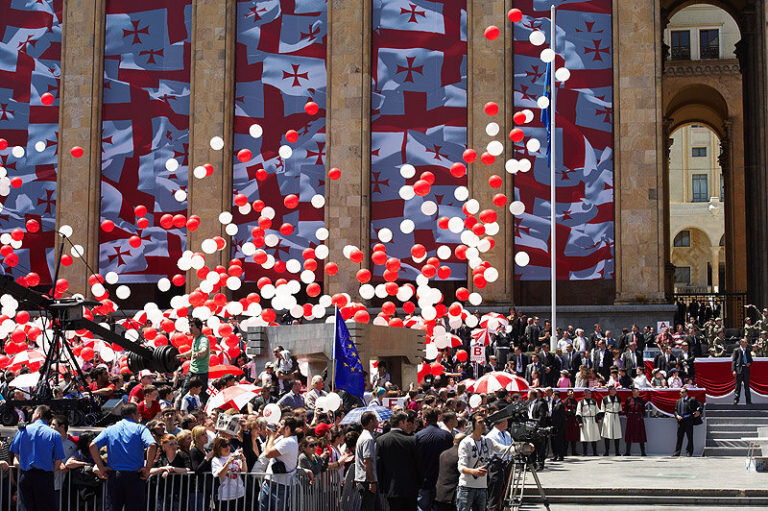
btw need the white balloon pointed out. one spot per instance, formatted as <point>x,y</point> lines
<point>244,209</point>
<point>476,399</point>
<point>321,403</point>
<point>407,226</point>
<point>491,274</point>
<point>97,289</point>
<point>307,276</point>
<point>285,152</point>
<point>455,225</point>
<point>492,229</point>
<point>528,115</point>
<point>297,311</point>
<point>17,151</point>
<point>111,277</point>
<point>525,165</point>
<point>208,245</point>
<point>385,235</point>
<point>547,55</point>
<point>271,412</point>
<point>66,231</point>
<point>77,251</point>
<point>199,172</point>
<point>318,201</point>
<point>430,351</point>
<point>333,401</point>
<point>171,164</point>
<point>268,212</point>
<point>380,321</point>
<point>512,166</point>
<point>380,291</point>
<point>475,298</point>
<point>533,145</point>
<point>217,143</point>
<point>442,341</point>
<point>164,284</point>
<point>429,313</point>
<point>429,208</point>
<point>472,206</point>
<point>563,74</point>
<point>225,217</point>
<point>495,147</point>
<point>522,259</point>
<point>231,229</point>
<point>325,301</point>
<point>406,192</point>
<point>461,193</point>
<point>234,283</point>
<point>271,240</point>
<point>537,38</point>
<point>255,131</point>
<point>39,146</point>
<point>366,291</point>
<point>293,266</point>
<point>123,292</point>
<point>517,208</point>
<point>321,234</point>
<point>407,171</point>
<point>443,252</point>
<point>492,129</point>
<point>180,195</point>
<point>543,102</point>
<point>321,251</point>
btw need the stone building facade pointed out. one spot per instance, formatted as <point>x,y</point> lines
<point>653,97</point>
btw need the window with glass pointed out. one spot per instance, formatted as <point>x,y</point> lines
<point>682,275</point>
<point>681,45</point>
<point>709,44</point>
<point>683,239</point>
<point>699,187</point>
<point>699,152</point>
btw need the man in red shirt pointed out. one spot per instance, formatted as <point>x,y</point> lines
<point>100,385</point>
<point>149,407</point>
<point>137,393</point>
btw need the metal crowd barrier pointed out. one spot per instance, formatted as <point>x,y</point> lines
<point>81,491</point>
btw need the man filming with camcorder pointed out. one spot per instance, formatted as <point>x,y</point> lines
<point>475,454</point>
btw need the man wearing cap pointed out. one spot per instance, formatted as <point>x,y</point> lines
<point>200,358</point>
<point>741,361</point>
<point>315,392</point>
<point>136,395</point>
<point>40,451</point>
<point>127,467</point>
<point>499,467</point>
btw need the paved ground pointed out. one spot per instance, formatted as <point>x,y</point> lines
<point>648,472</point>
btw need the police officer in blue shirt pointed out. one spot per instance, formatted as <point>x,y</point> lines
<point>40,451</point>
<point>127,467</point>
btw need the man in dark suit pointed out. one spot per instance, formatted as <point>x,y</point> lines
<point>431,442</point>
<point>594,337</point>
<point>558,419</point>
<point>448,477</point>
<point>630,359</point>
<point>532,332</point>
<point>538,411</point>
<point>687,410</point>
<point>551,367</point>
<point>399,467</point>
<point>571,361</point>
<point>520,362</point>
<point>602,360</point>
<point>741,361</point>
<point>535,365</point>
<point>662,360</point>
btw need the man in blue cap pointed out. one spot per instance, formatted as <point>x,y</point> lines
<point>127,467</point>
<point>40,452</point>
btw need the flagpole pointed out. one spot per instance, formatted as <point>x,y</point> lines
<point>552,186</point>
<point>333,350</point>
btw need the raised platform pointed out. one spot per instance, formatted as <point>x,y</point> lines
<point>683,483</point>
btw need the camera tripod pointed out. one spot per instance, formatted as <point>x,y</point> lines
<point>514,493</point>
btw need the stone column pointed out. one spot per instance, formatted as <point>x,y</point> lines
<point>715,267</point>
<point>490,79</point>
<point>78,186</point>
<point>211,114</point>
<point>751,51</point>
<point>348,137</point>
<point>639,199</point>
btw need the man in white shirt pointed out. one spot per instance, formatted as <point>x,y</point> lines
<point>282,446</point>
<point>498,470</point>
<point>475,452</point>
<point>366,479</point>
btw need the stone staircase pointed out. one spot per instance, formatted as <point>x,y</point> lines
<point>727,424</point>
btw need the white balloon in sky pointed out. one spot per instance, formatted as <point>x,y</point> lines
<point>255,131</point>
<point>407,171</point>
<point>522,259</point>
<point>492,129</point>
<point>537,38</point>
<point>171,164</point>
<point>563,74</point>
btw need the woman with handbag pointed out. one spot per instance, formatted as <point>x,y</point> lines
<point>228,466</point>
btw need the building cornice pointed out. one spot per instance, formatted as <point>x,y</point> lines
<point>701,67</point>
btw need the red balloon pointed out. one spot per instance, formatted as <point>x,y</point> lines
<point>428,271</point>
<point>479,281</point>
<point>519,118</point>
<point>32,225</point>
<point>261,175</point>
<point>487,216</point>
<point>421,188</point>
<point>178,280</point>
<point>356,256</point>
<point>241,199</point>
<point>396,323</point>
<point>516,135</point>
<point>334,174</point>
<point>488,158</point>
<point>442,222</point>
<point>461,356</point>
<point>22,317</point>
<point>33,279</point>
<point>491,108</point>
<point>193,222</point>
<point>291,201</point>
<point>362,317</point>
<point>87,353</point>
<point>331,268</point>
<point>515,15</point>
<point>244,155</point>
<point>436,368</point>
<point>291,136</point>
<point>393,264</point>
<point>444,272</point>
<point>363,276</point>
<point>379,257</point>
<point>458,169</point>
<point>313,289</point>
<point>16,182</point>
<point>17,234</point>
<point>500,200</point>
<point>418,251</point>
<point>409,307</point>
<point>388,308</point>
<point>62,285</point>
<point>492,33</point>
<point>66,260</point>
<point>311,107</point>
<point>140,210</point>
<point>495,181</point>
<point>107,225</point>
<point>286,229</point>
<point>462,294</point>
<point>469,155</point>
<point>134,241</point>
<point>77,151</point>
<point>179,221</point>
<point>428,177</point>
<point>46,99</point>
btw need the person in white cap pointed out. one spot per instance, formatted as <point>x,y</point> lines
<point>137,393</point>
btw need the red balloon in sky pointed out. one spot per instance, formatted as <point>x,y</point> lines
<point>500,200</point>
<point>334,174</point>
<point>311,107</point>
<point>458,169</point>
<point>291,136</point>
<point>519,118</point>
<point>3,144</point>
<point>488,158</point>
<point>32,225</point>
<point>140,210</point>
<point>16,182</point>
<point>515,15</point>
<point>244,155</point>
<point>516,135</point>
<point>291,201</point>
<point>495,181</point>
<point>469,155</point>
<point>107,225</point>
<point>134,241</point>
<point>491,108</point>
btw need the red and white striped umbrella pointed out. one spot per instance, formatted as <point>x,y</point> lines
<point>491,382</point>
<point>497,318</point>
<point>518,384</point>
<point>32,359</point>
<point>236,396</point>
<point>481,336</point>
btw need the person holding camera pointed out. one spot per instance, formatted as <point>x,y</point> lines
<point>475,452</point>
<point>282,449</point>
<point>227,467</point>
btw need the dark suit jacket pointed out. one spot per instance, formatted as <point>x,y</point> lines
<point>626,361</point>
<point>524,364</point>
<point>607,362</point>
<point>660,362</point>
<point>687,407</point>
<point>529,371</point>
<point>737,360</point>
<point>448,476</point>
<point>558,417</point>
<point>432,442</point>
<point>532,333</point>
<point>399,465</point>
<point>540,411</point>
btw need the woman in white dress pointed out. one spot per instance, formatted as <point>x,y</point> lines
<point>586,414</point>
<point>611,407</point>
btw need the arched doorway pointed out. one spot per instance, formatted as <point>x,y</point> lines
<point>715,76</point>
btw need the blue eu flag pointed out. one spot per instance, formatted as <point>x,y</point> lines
<point>349,369</point>
<point>545,111</point>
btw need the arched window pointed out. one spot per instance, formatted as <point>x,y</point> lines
<point>683,239</point>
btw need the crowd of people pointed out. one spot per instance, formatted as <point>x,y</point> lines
<point>434,452</point>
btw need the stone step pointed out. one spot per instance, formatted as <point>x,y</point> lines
<point>717,434</point>
<point>731,426</point>
<point>738,421</point>
<point>725,451</point>
<point>736,413</point>
<point>727,442</point>
<point>756,406</point>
